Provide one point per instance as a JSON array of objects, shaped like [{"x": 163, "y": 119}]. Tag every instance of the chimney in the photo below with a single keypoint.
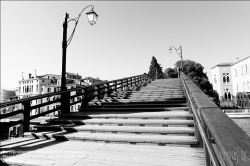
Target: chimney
[{"x": 29, "y": 75}]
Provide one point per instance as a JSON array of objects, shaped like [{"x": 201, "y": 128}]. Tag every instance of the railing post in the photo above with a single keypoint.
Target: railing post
[
  {"x": 142, "y": 79},
  {"x": 25, "y": 117},
  {"x": 120, "y": 87},
  {"x": 65, "y": 103},
  {"x": 84, "y": 98},
  {"x": 115, "y": 85},
  {"x": 96, "y": 93},
  {"x": 126, "y": 87},
  {"x": 106, "y": 91},
  {"x": 131, "y": 84}
]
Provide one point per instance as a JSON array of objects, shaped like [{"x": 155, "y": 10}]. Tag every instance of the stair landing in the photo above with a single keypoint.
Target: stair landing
[{"x": 73, "y": 153}]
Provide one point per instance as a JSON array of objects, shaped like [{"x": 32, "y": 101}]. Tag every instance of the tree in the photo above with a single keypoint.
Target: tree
[
  {"x": 155, "y": 69},
  {"x": 171, "y": 73},
  {"x": 195, "y": 72}
]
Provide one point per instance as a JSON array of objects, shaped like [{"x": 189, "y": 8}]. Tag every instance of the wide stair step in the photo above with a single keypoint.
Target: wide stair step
[{"x": 117, "y": 138}]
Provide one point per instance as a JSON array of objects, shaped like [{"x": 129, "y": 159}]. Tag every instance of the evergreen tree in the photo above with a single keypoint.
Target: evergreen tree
[{"x": 155, "y": 69}]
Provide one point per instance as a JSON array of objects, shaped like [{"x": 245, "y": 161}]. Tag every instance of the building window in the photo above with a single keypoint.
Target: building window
[
  {"x": 41, "y": 89},
  {"x": 36, "y": 88},
  {"x": 246, "y": 68},
  {"x": 48, "y": 89},
  {"x": 215, "y": 81},
  {"x": 227, "y": 93},
  {"x": 226, "y": 79}
]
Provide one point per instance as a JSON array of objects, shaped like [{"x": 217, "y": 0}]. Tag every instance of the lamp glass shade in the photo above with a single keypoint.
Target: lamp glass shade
[
  {"x": 92, "y": 16},
  {"x": 170, "y": 50}
]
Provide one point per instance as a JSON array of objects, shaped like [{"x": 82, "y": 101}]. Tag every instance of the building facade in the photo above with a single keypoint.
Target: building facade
[{"x": 232, "y": 82}]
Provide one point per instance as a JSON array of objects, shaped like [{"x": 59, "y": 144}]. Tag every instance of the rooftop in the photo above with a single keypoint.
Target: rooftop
[{"x": 224, "y": 64}]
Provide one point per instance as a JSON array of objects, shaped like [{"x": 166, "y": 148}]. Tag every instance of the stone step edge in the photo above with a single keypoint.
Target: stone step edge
[
  {"x": 126, "y": 121},
  {"x": 132, "y": 138},
  {"x": 125, "y": 129}
]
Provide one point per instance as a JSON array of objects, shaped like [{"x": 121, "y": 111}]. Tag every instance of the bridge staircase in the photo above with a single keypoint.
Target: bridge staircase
[
  {"x": 132, "y": 121},
  {"x": 154, "y": 113}
]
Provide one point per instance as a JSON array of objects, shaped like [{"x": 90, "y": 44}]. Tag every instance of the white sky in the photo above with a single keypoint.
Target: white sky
[{"x": 125, "y": 38}]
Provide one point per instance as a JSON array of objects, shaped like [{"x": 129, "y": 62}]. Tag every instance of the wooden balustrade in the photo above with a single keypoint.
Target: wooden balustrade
[
  {"x": 230, "y": 144},
  {"x": 97, "y": 91}
]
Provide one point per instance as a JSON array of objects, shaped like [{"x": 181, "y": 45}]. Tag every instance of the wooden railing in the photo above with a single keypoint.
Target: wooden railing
[
  {"x": 224, "y": 142},
  {"x": 88, "y": 93}
]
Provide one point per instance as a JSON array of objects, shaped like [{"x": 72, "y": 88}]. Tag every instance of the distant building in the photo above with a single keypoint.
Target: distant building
[
  {"x": 91, "y": 80},
  {"x": 48, "y": 83},
  {"x": 232, "y": 82}
]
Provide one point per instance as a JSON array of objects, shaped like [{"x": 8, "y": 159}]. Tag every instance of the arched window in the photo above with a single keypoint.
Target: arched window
[
  {"x": 225, "y": 94},
  {"x": 226, "y": 79},
  {"x": 229, "y": 95}
]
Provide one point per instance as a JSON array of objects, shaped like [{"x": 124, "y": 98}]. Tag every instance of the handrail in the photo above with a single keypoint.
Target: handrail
[
  {"x": 88, "y": 92},
  {"x": 202, "y": 132},
  {"x": 230, "y": 145},
  {"x": 39, "y": 97},
  {"x": 149, "y": 76},
  {"x": 60, "y": 92}
]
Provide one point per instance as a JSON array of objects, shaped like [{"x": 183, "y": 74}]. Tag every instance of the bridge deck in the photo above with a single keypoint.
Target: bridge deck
[
  {"x": 150, "y": 126},
  {"x": 74, "y": 153}
]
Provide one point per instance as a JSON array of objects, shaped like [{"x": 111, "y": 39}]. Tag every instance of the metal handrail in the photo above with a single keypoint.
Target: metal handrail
[{"x": 202, "y": 132}]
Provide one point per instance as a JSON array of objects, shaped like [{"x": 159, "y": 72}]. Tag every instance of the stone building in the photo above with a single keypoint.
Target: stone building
[{"x": 232, "y": 82}]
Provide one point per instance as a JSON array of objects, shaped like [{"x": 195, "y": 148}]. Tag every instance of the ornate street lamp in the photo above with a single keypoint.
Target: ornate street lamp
[
  {"x": 92, "y": 16},
  {"x": 179, "y": 53}
]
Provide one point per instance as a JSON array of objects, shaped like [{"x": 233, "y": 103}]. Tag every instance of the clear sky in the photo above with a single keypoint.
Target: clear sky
[{"x": 126, "y": 36}]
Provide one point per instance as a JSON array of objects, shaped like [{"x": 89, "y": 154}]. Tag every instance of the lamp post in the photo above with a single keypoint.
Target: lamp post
[
  {"x": 179, "y": 53},
  {"x": 92, "y": 16}
]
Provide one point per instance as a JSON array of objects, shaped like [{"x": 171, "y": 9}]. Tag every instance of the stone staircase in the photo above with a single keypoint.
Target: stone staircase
[{"x": 153, "y": 113}]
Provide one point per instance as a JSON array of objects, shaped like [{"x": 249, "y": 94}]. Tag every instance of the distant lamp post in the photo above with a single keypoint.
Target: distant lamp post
[
  {"x": 179, "y": 53},
  {"x": 92, "y": 16}
]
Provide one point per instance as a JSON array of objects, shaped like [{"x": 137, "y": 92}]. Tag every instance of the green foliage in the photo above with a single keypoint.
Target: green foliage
[
  {"x": 171, "y": 73},
  {"x": 195, "y": 72},
  {"x": 155, "y": 69}
]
